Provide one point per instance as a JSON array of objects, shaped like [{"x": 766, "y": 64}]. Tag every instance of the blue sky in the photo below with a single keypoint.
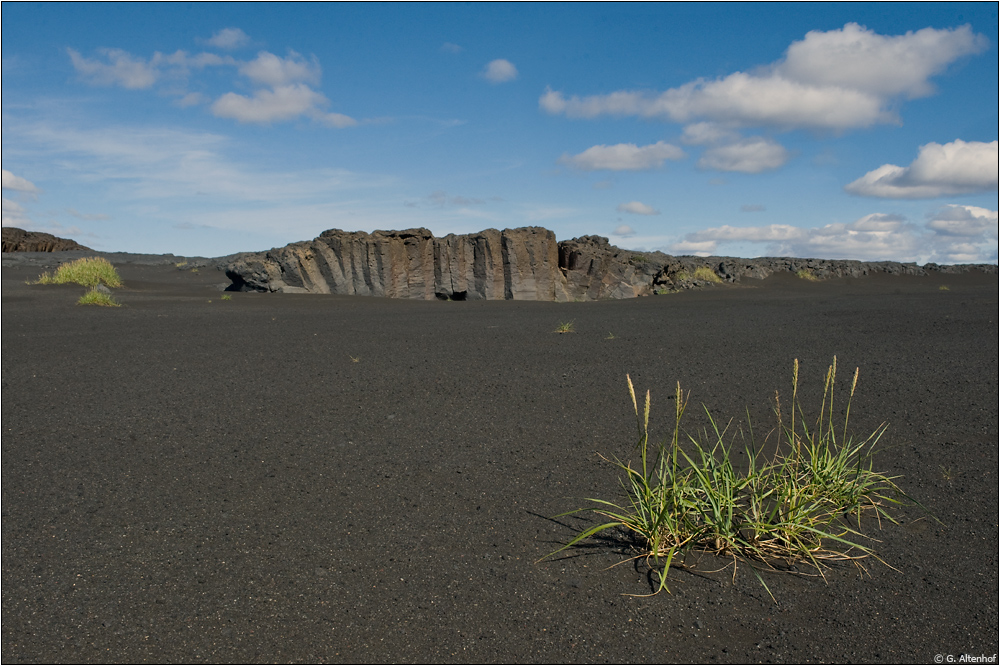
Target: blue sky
[{"x": 865, "y": 131}]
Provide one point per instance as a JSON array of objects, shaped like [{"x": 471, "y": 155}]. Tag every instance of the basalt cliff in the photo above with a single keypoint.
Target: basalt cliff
[
  {"x": 515, "y": 264},
  {"x": 19, "y": 240}
]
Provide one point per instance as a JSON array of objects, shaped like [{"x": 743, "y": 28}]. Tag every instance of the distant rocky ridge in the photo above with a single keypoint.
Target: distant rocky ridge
[
  {"x": 19, "y": 240},
  {"x": 514, "y": 264}
]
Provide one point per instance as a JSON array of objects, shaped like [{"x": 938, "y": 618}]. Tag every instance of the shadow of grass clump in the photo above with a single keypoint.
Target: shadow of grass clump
[{"x": 801, "y": 505}]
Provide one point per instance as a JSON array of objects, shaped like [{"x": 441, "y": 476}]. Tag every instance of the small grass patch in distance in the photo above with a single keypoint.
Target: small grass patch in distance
[
  {"x": 95, "y": 296},
  {"x": 564, "y": 327},
  {"x": 227, "y": 297},
  {"x": 807, "y": 275},
  {"x": 88, "y": 271},
  {"x": 801, "y": 505},
  {"x": 705, "y": 273}
]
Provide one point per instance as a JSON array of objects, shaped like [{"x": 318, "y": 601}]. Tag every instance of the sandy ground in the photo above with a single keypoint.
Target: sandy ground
[{"x": 299, "y": 478}]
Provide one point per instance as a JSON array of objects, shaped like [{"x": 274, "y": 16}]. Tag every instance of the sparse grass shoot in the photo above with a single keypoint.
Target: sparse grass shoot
[
  {"x": 88, "y": 271},
  {"x": 227, "y": 297},
  {"x": 564, "y": 327},
  {"x": 943, "y": 287},
  {"x": 803, "y": 504},
  {"x": 97, "y": 297}
]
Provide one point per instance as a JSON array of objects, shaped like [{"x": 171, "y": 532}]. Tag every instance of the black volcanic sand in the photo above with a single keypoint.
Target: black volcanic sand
[{"x": 297, "y": 478}]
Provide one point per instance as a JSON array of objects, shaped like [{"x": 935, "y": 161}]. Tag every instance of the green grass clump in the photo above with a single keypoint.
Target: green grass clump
[
  {"x": 705, "y": 273},
  {"x": 564, "y": 327},
  {"x": 803, "y": 504},
  {"x": 807, "y": 275},
  {"x": 97, "y": 297},
  {"x": 88, "y": 271}
]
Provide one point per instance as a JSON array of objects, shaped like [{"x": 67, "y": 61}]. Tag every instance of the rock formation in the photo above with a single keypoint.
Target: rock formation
[
  {"x": 19, "y": 240},
  {"x": 520, "y": 264}
]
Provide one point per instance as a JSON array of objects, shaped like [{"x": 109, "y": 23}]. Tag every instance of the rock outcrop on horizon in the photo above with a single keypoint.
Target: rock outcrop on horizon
[
  {"x": 519, "y": 264},
  {"x": 19, "y": 240},
  {"x": 514, "y": 264}
]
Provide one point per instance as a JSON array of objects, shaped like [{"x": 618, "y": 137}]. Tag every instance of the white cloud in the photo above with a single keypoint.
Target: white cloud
[
  {"x": 750, "y": 155},
  {"x": 284, "y": 83},
  {"x": 271, "y": 70},
  {"x": 287, "y": 97},
  {"x": 739, "y": 99},
  {"x": 183, "y": 62},
  {"x": 808, "y": 88},
  {"x": 448, "y": 47},
  {"x": 624, "y": 231},
  {"x": 697, "y": 248},
  {"x": 964, "y": 221},
  {"x": 769, "y": 233},
  {"x": 120, "y": 69},
  {"x": 191, "y": 99},
  {"x": 14, "y": 215},
  {"x": 267, "y": 106},
  {"x": 18, "y": 184},
  {"x": 859, "y": 59},
  {"x": 229, "y": 38},
  {"x": 623, "y": 157},
  {"x": 953, "y": 234},
  {"x": 499, "y": 71},
  {"x": 958, "y": 167},
  {"x": 637, "y": 208},
  {"x": 698, "y": 134},
  {"x": 338, "y": 120},
  {"x": 138, "y": 164}
]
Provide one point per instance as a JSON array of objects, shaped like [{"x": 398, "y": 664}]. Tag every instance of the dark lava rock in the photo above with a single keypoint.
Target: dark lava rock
[
  {"x": 19, "y": 240},
  {"x": 514, "y": 264}
]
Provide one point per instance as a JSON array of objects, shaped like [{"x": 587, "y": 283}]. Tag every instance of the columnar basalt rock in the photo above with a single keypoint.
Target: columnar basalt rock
[
  {"x": 518, "y": 264},
  {"x": 514, "y": 264}
]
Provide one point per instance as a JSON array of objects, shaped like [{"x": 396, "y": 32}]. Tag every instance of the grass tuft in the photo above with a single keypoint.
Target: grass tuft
[
  {"x": 807, "y": 275},
  {"x": 88, "y": 271},
  {"x": 564, "y": 327},
  {"x": 802, "y": 505},
  {"x": 705, "y": 273},
  {"x": 97, "y": 297}
]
